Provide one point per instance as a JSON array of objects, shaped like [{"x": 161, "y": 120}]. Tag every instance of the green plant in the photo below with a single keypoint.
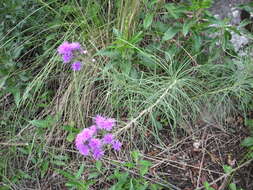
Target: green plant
[
  {"x": 248, "y": 141},
  {"x": 124, "y": 180},
  {"x": 74, "y": 181}
]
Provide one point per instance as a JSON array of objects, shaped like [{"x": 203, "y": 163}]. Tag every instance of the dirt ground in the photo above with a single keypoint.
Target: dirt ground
[{"x": 201, "y": 156}]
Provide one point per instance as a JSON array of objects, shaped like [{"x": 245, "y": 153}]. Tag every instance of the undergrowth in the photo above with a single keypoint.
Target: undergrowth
[{"x": 156, "y": 67}]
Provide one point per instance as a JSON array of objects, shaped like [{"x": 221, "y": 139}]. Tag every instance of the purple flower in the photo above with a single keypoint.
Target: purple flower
[
  {"x": 67, "y": 57},
  {"x": 82, "y": 137},
  {"x": 83, "y": 149},
  {"x": 76, "y": 66},
  {"x": 67, "y": 49},
  {"x": 80, "y": 140},
  {"x": 64, "y": 48},
  {"x": 95, "y": 144},
  {"x": 93, "y": 128},
  {"x": 75, "y": 46},
  {"x": 108, "y": 139},
  {"x": 116, "y": 145},
  {"x": 98, "y": 153},
  {"x": 104, "y": 123}
]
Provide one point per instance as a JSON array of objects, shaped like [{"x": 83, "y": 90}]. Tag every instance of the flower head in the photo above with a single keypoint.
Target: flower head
[
  {"x": 81, "y": 138},
  {"x": 67, "y": 57},
  {"x": 89, "y": 141},
  {"x": 83, "y": 149},
  {"x": 116, "y": 145},
  {"x": 75, "y": 46},
  {"x": 98, "y": 153},
  {"x": 104, "y": 123},
  {"x": 76, "y": 66},
  {"x": 95, "y": 144},
  {"x": 93, "y": 128},
  {"x": 108, "y": 139},
  {"x": 66, "y": 50}
]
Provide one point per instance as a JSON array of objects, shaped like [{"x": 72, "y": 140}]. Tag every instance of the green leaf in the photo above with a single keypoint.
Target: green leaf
[
  {"x": 71, "y": 137},
  {"x": 135, "y": 155},
  {"x": 197, "y": 41},
  {"x": 129, "y": 165},
  {"x": 93, "y": 175},
  {"x": 46, "y": 123},
  {"x": 17, "y": 51},
  {"x": 44, "y": 168},
  {"x": 71, "y": 128},
  {"x": 67, "y": 175},
  {"x": 80, "y": 171},
  {"x": 61, "y": 157},
  {"x": 186, "y": 27},
  {"x": 170, "y": 33},
  {"x": 24, "y": 174},
  {"x": 227, "y": 169},
  {"x": 207, "y": 186},
  {"x": 58, "y": 163},
  {"x": 16, "y": 94},
  {"x": 148, "y": 20},
  {"x": 2, "y": 81},
  {"x": 99, "y": 165},
  {"x": 247, "y": 142},
  {"x": 232, "y": 186},
  {"x": 125, "y": 67},
  {"x": 227, "y": 36},
  {"x": 155, "y": 187},
  {"x": 248, "y": 122},
  {"x": 144, "y": 166}
]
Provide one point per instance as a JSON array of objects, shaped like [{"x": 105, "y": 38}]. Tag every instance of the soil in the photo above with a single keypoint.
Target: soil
[{"x": 201, "y": 156}]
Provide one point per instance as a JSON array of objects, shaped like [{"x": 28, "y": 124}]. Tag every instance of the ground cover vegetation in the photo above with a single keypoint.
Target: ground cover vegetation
[{"x": 123, "y": 94}]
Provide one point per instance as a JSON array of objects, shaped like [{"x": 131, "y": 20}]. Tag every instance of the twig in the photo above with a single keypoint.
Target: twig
[
  {"x": 203, "y": 156},
  {"x": 13, "y": 144}
]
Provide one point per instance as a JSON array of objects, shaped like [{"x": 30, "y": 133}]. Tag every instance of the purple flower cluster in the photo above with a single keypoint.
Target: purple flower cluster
[
  {"x": 67, "y": 51},
  {"x": 88, "y": 143}
]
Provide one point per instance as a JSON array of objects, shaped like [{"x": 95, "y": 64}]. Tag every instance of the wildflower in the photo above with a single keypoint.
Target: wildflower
[
  {"x": 84, "y": 135},
  {"x": 98, "y": 153},
  {"x": 67, "y": 49},
  {"x": 75, "y": 46},
  {"x": 81, "y": 138},
  {"x": 67, "y": 57},
  {"x": 116, "y": 145},
  {"x": 93, "y": 128},
  {"x": 83, "y": 149},
  {"x": 64, "y": 48},
  {"x": 88, "y": 143},
  {"x": 108, "y": 139},
  {"x": 93, "y": 60},
  {"x": 95, "y": 144},
  {"x": 104, "y": 123},
  {"x": 85, "y": 52},
  {"x": 76, "y": 66}
]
